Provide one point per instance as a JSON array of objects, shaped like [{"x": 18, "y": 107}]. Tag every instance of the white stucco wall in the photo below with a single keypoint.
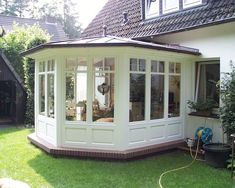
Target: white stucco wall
[{"x": 214, "y": 42}]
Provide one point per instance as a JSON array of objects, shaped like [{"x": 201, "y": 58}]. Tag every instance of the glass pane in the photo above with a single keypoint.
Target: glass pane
[
  {"x": 177, "y": 68},
  {"x": 50, "y": 99},
  {"x": 82, "y": 64},
  {"x": 171, "y": 67},
  {"x": 51, "y": 65},
  {"x": 171, "y": 4},
  {"x": 137, "y": 97},
  {"x": 161, "y": 67},
  {"x": 71, "y": 64},
  {"x": 133, "y": 64},
  {"x": 42, "y": 108},
  {"x": 174, "y": 96},
  {"x": 141, "y": 64},
  {"x": 76, "y": 65},
  {"x": 157, "y": 66},
  {"x": 103, "y": 103},
  {"x": 157, "y": 96},
  {"x": 188, "y": 2},
  {"x": 109, "y": 64},
  {"x": 42, "y": 67},
  {"x": 98, "y": 64},
  {"x": 152, "y": 8},
  {"x": 76, "y": 92},
  {"x": 154, "y": 66},
  {"x": 209, "y": 76}
]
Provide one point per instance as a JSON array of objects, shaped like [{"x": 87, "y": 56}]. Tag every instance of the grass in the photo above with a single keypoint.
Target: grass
[{"x": 21, "y": 160}]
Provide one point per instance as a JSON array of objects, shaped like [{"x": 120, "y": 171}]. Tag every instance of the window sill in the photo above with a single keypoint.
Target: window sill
[{"x": 213, "y": 116}]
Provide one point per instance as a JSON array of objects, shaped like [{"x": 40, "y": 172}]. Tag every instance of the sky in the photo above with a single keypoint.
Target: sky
[{"x": 88, "y": 9}]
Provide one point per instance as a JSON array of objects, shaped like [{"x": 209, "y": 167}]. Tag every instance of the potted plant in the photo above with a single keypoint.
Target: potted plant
[
  {"x": 202, "y": 107},
  {"x": 216, "y": 154}
]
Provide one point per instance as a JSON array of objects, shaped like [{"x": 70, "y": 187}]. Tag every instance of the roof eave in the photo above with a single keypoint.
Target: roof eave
[{"x": 162, "y": 48}]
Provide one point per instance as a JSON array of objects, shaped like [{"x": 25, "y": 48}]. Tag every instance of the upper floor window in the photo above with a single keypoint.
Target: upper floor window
[
  {"x": 190, "y": 3},
  {"x": 170, "y": 6},
  {"x": 154, "y": 8}
]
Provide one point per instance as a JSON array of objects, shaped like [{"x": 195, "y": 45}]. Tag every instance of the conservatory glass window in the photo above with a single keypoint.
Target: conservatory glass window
[
  {"x": 76, "y": 89},
  {"x": 46, "y": 88},
  {"x": 50, "y": 89},
  {"x": 157, "y": 89},
  {"x": 174, "y": 89},
  {"x": 42, "y": 91},
  {"x": 137, "y": 89},
  {"x": 103, "y": 101}
]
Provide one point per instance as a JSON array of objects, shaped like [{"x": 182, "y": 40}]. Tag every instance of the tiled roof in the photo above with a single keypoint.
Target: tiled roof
[
  {"x": 55, "y": 30},
  {"x": 213, "y": 12},
  {"x": 107, "y": 41}
]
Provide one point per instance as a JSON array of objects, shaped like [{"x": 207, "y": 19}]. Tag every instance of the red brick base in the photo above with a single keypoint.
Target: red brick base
[{"x": 103, "y": 154}]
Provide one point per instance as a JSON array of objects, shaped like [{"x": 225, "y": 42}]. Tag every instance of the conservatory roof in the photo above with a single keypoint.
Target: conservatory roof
[{"x": 107, "y": 41}]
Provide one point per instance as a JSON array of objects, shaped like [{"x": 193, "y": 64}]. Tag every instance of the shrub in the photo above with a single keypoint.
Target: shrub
[{"x": 227, "y": 110}]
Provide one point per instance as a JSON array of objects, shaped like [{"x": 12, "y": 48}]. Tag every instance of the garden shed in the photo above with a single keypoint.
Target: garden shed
[
  {"x": 12, "y": 93},
  {"x": 110, "y": 97}
]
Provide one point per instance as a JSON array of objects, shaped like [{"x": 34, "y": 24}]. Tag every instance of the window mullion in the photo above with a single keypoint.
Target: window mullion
[
  {"x": 166, "y": 90},
  {"x": 46, "y": 91},
  {"x": 148, "y": 90}
]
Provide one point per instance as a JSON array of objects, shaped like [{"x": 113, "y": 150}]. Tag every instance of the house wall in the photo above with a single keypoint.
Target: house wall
[
  {"x": 215, "y": 42},
  {"x": 121, "y": 134}
]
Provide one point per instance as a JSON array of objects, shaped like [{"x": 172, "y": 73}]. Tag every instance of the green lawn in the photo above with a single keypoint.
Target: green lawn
[{"x": 21, "y": 160}]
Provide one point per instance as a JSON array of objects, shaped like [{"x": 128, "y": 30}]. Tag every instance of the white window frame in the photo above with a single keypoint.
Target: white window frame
[
  {"x": 75, "y": 72},
  {"x": 143, "y": 72},
  {"x": 199, "y": 74},
  {"x": 45, "y": 73},
  {"x": 166, "y": 10},
  {"x": 191, "y": 4}
]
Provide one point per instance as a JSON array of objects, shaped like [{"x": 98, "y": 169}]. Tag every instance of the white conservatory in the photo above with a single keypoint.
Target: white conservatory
[{"x": 110, "y": 97}]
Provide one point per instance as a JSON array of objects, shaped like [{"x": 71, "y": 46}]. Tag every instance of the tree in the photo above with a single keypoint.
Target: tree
[
  {"x": 63, "y": 12},
  {"x": 6, "y": 8},
  {"x": 18, "y": 7},
  {"x": 71, "y": 27},
  {"x": 14, "y": 7}
]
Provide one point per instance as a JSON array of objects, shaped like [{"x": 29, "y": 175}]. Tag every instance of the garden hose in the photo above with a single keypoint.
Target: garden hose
[{"x": 183, "y": 167}]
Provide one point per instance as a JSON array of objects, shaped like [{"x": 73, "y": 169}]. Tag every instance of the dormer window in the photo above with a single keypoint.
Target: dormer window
[
  {"x": 154, "y": 8},
  {"x": 190, "y": 3},
  {"x": 170, "y": 6}
]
